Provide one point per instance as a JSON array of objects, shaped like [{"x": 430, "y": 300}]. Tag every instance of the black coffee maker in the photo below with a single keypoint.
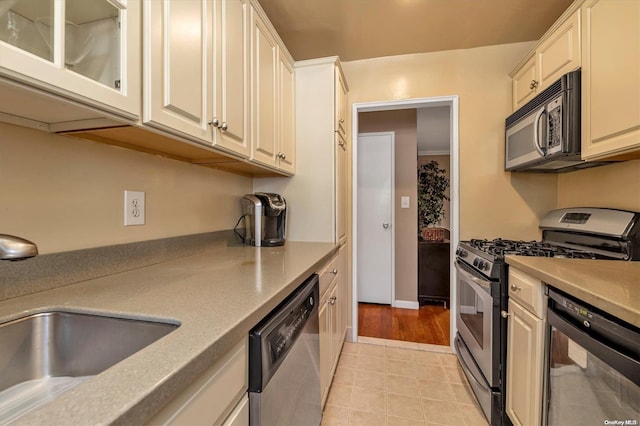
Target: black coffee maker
[{"x": 265, "y": 216}]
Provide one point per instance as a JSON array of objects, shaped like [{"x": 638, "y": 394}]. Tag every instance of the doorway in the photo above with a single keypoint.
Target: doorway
[{"x": 406, "y": 298}]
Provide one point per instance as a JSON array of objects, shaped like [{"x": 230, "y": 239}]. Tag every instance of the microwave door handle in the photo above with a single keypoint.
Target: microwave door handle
[{"x": 537, "y": 132}]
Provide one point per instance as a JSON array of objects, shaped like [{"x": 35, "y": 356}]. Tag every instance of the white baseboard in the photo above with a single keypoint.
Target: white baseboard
[{"x": 405, "y": 304}]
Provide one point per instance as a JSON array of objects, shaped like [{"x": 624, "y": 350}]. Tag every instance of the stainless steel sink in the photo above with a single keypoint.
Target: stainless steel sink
[{"x": 46, "y": 354}]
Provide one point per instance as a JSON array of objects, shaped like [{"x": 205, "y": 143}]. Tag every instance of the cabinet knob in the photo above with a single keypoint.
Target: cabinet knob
[
  {"x": 533, "y": 84},
  {"x": 282, "y": 156},
  {"x": 334, "y": 272},
  {"x": 515, "y": 287},
  {"x": 214, "y": 122},
  {"x": 342, "y": 120},
  {"x": 504, "y": 314},
  {"x": 385, "y": 225},
  {"x": 224, "y": 126},
  {"x": 341, "y": 143},
  {"x": 332, "y": 301}
]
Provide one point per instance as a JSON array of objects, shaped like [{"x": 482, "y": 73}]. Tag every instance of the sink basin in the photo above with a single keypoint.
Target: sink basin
[{"x": 44, "y": 355}]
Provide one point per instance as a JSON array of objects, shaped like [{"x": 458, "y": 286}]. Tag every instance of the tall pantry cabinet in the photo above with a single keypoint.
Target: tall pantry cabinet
[{"x": 318, "y": 195}]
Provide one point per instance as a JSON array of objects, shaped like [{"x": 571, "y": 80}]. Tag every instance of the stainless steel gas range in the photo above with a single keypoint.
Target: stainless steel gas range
[{"x": 482, "y": 287}]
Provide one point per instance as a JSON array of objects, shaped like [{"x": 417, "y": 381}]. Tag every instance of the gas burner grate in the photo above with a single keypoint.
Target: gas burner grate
[{"x": 499, "y": 248}]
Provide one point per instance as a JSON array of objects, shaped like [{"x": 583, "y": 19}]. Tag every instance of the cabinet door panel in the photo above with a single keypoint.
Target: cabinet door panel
[
  {"x": 610, "y": 78},
  {"x": 287, "y": 116},
  {"x": 98, "y": 61},
  {"x": 522, "y": 84},
  {"x": 561, "y": 53},
  {"x": 341, "y": 190},
  {"x": 232, "y": 78},
  {"x": 264, "y": 93},
  {"x": 178, "y": 91},
  {"x": 524, "y": 366},
  {"x": 340, "y": 104},
  {"x": 325, "y": 348}
]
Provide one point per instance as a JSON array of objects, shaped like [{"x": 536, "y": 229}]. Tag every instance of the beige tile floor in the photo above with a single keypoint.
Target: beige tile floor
[{"x": 379, "y": 384}]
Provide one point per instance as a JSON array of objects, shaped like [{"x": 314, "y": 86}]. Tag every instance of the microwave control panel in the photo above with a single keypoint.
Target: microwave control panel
[{"x": 554, "y": 125}]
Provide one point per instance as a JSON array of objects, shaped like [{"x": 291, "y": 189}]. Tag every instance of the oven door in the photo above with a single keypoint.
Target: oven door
[{"x": 478, "y": 311}]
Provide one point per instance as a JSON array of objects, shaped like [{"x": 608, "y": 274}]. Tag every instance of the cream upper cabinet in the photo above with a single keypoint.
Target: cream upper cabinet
[
  {"x": 525, "y": 83},
  {"x": 611, "y": 79},
  {"x": 557, "y": 53},
  {"x": 85, "y": 50},
  {"x": 178, "y": 74},
  {"x": 272, "y": 97},
  {"x": 525, "y": 348},
  {"x": 196, "y": 81},
  {"x": 287, "y": 113},
  {"x": 231, "y": 112}
]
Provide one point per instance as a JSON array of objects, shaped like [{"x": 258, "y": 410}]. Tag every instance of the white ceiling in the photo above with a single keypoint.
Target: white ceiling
[
  {"x": 434, "y": 130},
  {"x": 360, "y": 29}
]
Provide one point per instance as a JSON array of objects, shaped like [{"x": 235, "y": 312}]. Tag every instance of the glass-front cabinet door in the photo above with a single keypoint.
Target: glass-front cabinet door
[{"x": 88, "y": 50}]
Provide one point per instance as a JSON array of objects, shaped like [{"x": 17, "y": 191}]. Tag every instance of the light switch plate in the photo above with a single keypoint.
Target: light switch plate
[
  {"x": 404, "y": 202},
  {"x": 133, "y": 208}
]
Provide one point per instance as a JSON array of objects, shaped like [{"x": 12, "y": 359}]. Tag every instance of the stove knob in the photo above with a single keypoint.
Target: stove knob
[
  {"x": 476, "y": 262},
  {"x": 463, "y": 253},
  {"x": 481, "y": 265}
]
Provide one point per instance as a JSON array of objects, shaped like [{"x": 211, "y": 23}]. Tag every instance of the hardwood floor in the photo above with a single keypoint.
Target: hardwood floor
[{"x": 429, "y": 324}]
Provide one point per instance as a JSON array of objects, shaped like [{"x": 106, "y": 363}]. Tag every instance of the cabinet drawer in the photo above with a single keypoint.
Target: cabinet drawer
[
  {"x": 211, "y": 397},
  {"x": 327, "y": 273},
  {"x": 528, "y": 291}
]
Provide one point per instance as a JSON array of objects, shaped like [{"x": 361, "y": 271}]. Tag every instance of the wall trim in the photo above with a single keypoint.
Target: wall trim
[{"x": 405, "y": 304}]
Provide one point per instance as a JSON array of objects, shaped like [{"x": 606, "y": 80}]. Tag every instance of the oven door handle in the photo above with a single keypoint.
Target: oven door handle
[{"x": 469, "y": 276}]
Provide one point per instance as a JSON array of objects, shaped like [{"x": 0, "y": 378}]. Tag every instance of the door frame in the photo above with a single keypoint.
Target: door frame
[
  {"x": 393, "y": 209},
  {"x": 453, "y": 103}
]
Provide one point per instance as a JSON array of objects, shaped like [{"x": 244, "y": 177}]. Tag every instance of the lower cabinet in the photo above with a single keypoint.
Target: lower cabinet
[
  {"x": 332, "y": 325},
  {"x": 525, "y": 349},
  {"x": 217, "y": 397}
]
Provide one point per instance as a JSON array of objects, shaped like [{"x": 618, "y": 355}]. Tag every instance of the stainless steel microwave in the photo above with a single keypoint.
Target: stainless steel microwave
[{"x": 544, "y": 134}]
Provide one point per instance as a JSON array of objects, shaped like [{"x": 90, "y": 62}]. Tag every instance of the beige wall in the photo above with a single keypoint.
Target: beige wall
[
  {"x": 67, "y": 194},
  {"x": 615, "y": 186},
  {"x": 480, "y": 77},
  {"x": 404, "y": 124},
  {"x": 444, "y": 162}
]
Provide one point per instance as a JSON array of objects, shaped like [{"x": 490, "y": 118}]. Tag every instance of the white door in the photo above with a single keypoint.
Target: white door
[{"x": 375, "y": 217}]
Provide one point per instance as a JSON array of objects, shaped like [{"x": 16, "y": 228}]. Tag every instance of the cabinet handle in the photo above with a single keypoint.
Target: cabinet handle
[
  {"x": 515, "y": 287},
  {"x": 533, "y": 84},
  {"x": 214, "y": 122},
  {"x": 334, "y": 272},
  {"x": 224, "y": 126},
  {"x": 505, "y": 314}
]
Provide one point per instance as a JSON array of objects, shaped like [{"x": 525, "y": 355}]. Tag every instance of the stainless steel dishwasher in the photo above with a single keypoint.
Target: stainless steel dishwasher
[{"x": 284, "y": 362}]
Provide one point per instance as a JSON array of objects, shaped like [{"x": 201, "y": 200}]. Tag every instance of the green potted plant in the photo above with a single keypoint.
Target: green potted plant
[{"x": 432, "y": 185}]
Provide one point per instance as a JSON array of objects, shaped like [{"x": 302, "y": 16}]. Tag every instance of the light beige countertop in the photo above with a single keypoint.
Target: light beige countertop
[
  {"x": 216, "y": 296},
  {"x": 610, "y": 285}
]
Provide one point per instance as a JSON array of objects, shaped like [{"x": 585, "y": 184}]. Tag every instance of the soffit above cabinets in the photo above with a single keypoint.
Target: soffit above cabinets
[{"x": 361, "y": 29}]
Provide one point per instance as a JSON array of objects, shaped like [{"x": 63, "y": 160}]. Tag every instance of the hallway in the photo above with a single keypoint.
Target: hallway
[{"x": 429, "y": 324}]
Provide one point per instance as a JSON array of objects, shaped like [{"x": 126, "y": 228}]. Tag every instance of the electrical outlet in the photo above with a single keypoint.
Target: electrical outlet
[
  {"x": 133, "y": 208},
  {"x": 404, "y": 202}
]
